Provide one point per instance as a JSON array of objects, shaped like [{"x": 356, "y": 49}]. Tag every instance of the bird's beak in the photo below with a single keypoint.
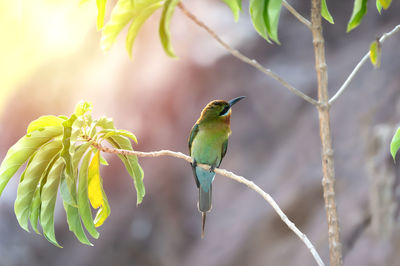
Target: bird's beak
[{"x": 235, "y": 100}]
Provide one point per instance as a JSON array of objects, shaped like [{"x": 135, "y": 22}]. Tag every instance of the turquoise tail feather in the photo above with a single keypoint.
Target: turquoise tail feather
[{"x": 205, "y": 178}]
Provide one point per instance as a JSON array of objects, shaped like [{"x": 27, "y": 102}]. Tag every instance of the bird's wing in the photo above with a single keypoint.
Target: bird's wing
[
  {"x": 223, "y": 150},
  {"x": 193, "y": 133}
]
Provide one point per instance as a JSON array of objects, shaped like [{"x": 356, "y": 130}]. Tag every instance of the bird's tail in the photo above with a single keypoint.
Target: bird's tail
[
  {"x": 205, "y": 199},
  {"x": 203, "y": 223},
  {"x": 204, "y": 205}
]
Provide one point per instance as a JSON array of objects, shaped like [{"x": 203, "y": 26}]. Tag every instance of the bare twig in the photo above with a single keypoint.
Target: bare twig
[
  {"x": 328, "y": 169},
  {"x": 228, "y": 174},
  {"x": 360, "y": 64},
  {"x": 244, "y": 58},
  {"x": 296, "y": 14}
]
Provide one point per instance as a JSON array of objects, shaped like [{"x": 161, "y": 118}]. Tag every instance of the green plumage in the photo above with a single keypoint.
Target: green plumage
[{"x": 208, "y": 143}]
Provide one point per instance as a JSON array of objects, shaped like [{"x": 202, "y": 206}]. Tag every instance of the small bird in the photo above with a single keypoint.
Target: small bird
[{"x": 208, "y": 142}]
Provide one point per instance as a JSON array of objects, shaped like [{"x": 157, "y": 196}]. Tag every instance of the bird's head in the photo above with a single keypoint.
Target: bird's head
[{"x": 218, "y": 110}]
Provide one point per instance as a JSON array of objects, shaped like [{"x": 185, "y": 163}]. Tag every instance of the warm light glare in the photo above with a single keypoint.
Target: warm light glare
[{"x": 34, "y": 32}]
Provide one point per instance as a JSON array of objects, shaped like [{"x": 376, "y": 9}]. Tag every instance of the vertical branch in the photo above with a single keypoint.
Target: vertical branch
[{"x": 328, "y": 180}]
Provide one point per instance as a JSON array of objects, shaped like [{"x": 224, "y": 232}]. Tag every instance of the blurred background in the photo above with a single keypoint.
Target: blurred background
[{"x": 51, "y": 59}]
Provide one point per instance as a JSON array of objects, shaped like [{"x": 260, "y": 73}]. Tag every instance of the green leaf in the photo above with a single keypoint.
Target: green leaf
[
  {"x": 44, "y": 121},
  {"x": 36, "y": 204},
  {"x": 165, "y": 35},
  {"x": 103, "y": 160},
  {"x": 104, "y": 122},
  {"x": 325, "y": 12},
  {"x": 375, "y": 53},
  {"x": 83, "y": 107},
  {"x": 378, "y": 6},
  {"x": 75, "y": 224},
  {"x": 120, "y": 132},
  {"x": 48, "y": 199},
  {"x": 395, "y": 144},
  {"x": 274, "y": 11},
  {"x": 137, "y": 24},
  {"x": 131, "y": 164},
  {"x": 83, "y": 201},
  {"x": 66, "y": 191},
  {"x": 235, "y": 6},
  {"x": 385, "y": 3},
  {"x": 96, "y": 193},
  {"x": 67, "y": 188},
  {"x": 35, "y": 210},
  {"x": 19, "y": 153},
  {"x": 28, "y": 185},
  {"x": 359, "y": 10},
  {"x": 265, "y": 17},
  {"x": 101, "y": 11},
  {"x": 79, "y": 152},
  {"x": 68, "y": 181},
  {"x": 121, "y": 14}
]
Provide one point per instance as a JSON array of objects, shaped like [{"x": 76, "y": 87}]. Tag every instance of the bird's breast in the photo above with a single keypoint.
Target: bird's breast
[{"x": 207, "y": 146}]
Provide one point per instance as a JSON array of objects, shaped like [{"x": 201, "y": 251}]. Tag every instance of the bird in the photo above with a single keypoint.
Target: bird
[{"x": 208, "y": 143}]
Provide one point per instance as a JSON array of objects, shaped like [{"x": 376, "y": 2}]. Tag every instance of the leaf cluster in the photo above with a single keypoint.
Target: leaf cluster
[
  {"x": 58, "y": 157},
  {"x": 265, "y": 15},
  {"x": 360, "y": 9}
]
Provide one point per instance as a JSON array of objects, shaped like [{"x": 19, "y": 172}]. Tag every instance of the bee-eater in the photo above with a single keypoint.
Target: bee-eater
[{"x": 208, "y": 142}]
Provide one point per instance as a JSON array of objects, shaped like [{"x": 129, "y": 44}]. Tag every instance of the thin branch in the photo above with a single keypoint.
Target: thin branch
[
  {"x": 244, "y": 58},
  {"x": 360, "y": 64},
  {"x": 296, "y": 14},
  {"x": 328, "y": 168},
  {"x": 222, "y": 172}
]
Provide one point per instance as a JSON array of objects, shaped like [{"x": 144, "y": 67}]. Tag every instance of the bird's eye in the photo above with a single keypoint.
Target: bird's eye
[{"x": 225, "y": 110}]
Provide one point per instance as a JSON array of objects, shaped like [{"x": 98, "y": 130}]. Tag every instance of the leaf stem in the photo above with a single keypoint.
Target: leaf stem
[
  {"x": 360, "y": 64},
  {"x": 225, "y": 173},
  {"x": 244, "y": 58}
]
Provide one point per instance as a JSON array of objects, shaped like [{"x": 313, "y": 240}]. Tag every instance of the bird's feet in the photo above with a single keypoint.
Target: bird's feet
[
  {"x": 194, "y": 163},
  {"x": 212, "y": 168}
]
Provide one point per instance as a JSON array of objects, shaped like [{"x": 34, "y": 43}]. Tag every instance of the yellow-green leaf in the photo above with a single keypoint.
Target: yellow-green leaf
[
  {"x": 359, "y": 10},
  {"x": 48, "y": 199},
  {"x": 131, "y": 164},
  {"x": 325, "y": 12},
  {"x": 101, "y": 11},
  {"x": 121, "y": 14},
  {"x": 28, "y": 185},
  {"x": 74, "y": 223},
  {"x": 83, "y": 201},
  {"x": 35, "y": 210},
  {"x": 395, "y": 144},
  {"x": 45, "y": 121},
  {"x": 96, "y": 193},
  {"x": 19, "y": 153},
  {"x": 378, "y": 6},
  {"x": 83, "y": 107},
  {"x": 103, "y": 160},
  {"x": 375, "y": 53},
  {"x": 137, "y": 24},
  {"x": 120, "y": 132},
  {"x": 69, "y": 177},
  {"x": 385, "y": 3},
  {"x": 235, "y": 6},
  {"x": 165, "y": 35}
]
